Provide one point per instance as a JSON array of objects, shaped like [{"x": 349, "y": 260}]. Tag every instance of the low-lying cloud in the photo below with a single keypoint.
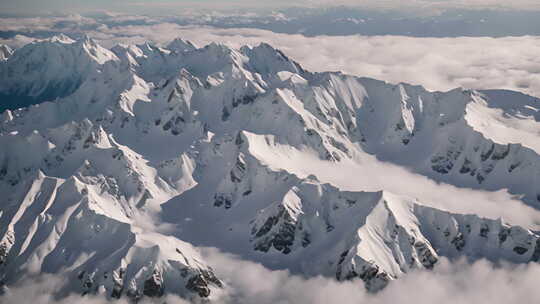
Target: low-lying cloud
[
  {"x": 367, "y": 173},
  {"x": 436, "y": 63},
  {"x": 450, "y": 283},
  {"x": 248, "y": 282}
]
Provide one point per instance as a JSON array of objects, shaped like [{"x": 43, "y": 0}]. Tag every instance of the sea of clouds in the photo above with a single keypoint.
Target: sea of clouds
[
  {"x": 436, "y": 63},
  {"x": 250, "y": 283}
]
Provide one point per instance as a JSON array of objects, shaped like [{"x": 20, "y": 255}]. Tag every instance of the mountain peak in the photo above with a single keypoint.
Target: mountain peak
[
  {"x": 49, "y": 69},
  {"x": 180, "y": 45},
  {"x": 242, "y": 150},
  {"x": 87, "y": 40},
  {"x": 266, "y": 59},
  {"x": 5, "y": 52},
  {"x": 61, "y": 38}
]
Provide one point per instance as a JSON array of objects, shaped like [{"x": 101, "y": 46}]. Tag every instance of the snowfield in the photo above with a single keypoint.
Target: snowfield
[{"x": 116, "y": 165}]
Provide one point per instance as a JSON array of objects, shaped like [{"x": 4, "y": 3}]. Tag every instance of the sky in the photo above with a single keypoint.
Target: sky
[{"x": 29, "y": 7}]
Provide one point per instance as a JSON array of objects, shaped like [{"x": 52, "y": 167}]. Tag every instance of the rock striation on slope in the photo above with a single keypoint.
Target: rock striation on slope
[
  {"x": 5, "y": 52},
  {"x": 112, "y": 145}
]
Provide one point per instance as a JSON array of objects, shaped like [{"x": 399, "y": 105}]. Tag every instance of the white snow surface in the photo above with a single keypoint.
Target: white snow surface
[
  {"x": 5, "y": 52},
  {"x": 139, "y": 154}
]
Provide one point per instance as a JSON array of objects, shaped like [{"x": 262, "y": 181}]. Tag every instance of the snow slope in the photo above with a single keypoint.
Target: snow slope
[
  {"x": 122, "y": 162},
  {"x": 5, "y": 52}
]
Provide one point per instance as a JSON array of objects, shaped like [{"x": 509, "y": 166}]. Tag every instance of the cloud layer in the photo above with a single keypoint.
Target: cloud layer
[
  {"x": 436, "y": 63},
  {"x": 248, "y": 282},
  {"x": 450, "y": 283}
]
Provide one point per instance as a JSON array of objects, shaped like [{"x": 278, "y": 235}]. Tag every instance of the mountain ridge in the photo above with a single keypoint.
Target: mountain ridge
[{"x": 152, "y": 138}]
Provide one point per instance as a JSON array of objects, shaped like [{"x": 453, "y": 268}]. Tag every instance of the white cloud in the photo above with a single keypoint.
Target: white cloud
[
  {"x": 450, "y": 283},
  {"x": 17, "y": 41},
  {"x": 425, "y": 4},
  {"x": 436, "y": 63},
  {"x": 248, "y": 282},
  {"x": 367, "y": 173},
  {"x": 44, "y": 23}
]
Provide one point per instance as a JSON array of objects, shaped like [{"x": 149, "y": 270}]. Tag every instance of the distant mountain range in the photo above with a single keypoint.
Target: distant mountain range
[{"x": 334, "y": 21}]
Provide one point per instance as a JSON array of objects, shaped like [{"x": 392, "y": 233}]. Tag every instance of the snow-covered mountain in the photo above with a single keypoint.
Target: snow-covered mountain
[
  {"x": 5, "y": 52},
  {"x": 124, "y": 161}
]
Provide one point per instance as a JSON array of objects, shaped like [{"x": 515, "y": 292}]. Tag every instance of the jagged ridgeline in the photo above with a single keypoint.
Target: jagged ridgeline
[{"x": 110, "y": 146}]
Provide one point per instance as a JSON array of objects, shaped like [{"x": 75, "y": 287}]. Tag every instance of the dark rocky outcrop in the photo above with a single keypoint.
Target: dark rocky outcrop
[{"x": 153, "y": 286}]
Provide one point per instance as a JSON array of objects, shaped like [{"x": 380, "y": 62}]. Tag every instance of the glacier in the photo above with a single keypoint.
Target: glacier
[{"x": 117, "y": 164}]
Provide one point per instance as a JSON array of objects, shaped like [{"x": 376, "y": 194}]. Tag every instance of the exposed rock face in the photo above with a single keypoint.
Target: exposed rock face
[
  {"x": 278, "y": 231},
  {"x": 369, "y": 272},
  {"x": 218, "y": 146},
  {"x": 153, "y": 286},
  {"x": 536, "y": 254},
  {"x": 5, "y": 247},
  {"x": 201, "y": 283},
  {"x": 305, "y": 215}
]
